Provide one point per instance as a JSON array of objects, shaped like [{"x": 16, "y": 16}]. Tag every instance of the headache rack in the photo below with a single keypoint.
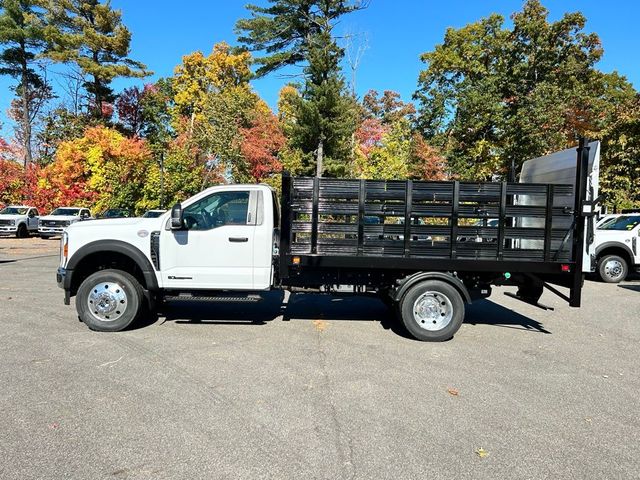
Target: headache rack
[{"x": 434, "y": 225}]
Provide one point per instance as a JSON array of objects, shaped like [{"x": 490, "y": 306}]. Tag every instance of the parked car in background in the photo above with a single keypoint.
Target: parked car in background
[
  {"x": 617, "y": 241},
  {"x": 114, "y": 213},
  {"x": 18, "y": 220},
  {"x": 153, "y": 213},
  {"x": 56, "y": 222}
]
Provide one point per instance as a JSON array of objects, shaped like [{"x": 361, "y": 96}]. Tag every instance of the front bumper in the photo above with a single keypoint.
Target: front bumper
[
  {"x": 8, "y": 230},
  {"x": 51, "y": 230},
  {"x": 63, "y": 279}
]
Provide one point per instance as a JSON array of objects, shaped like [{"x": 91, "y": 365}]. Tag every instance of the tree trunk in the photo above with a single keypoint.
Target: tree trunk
[
  {"x": 320, "y": 157},
  {"x": 26, "y": 114},
  {"x": 98, "y": 97}
]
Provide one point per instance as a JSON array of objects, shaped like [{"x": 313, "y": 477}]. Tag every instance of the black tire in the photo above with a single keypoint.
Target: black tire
[
  {"x": 22, "y": 232},
  {"x": 440, "y": 297},
  {"x": 612, "y": 269},
  {"x": 106, "y": 290}
]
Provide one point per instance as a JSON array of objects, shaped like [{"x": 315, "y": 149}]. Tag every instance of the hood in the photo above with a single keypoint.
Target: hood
[
  {"x": 5, "y": 216},
  {"x": 59, "y": 217},
  {"x": 117, "y": 223}
]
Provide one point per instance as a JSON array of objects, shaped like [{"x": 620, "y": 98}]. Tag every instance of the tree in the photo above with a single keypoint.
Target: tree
[
  {"x": 388, "y": 108},
  {"x": 22, "y": 35},
  {"x": 11, "y": 180},
  {"x": 620, "y": 175},
  {"x": 91, "y": 35},
  {"x": 129, "y": 108},
  {"x": 103, "y": 168},
  {"x": 261, "y": 144},
  {"x": 300, "y": 32},
  {"x": 490, "y": 94},
  {"x": 212, "y": 102}
]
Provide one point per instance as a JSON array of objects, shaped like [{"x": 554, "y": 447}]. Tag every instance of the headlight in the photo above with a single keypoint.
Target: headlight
[
  {"x": 66, "y": 223},
  {"x": 12, "y": 222},
  {"x": 40, "y": 223},
  {"x": 64, "y": 249}
]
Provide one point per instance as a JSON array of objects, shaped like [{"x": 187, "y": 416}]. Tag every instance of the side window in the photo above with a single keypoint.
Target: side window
[
  {"x": 218, "y": 210},
  {"x": 32, "y": 213}
]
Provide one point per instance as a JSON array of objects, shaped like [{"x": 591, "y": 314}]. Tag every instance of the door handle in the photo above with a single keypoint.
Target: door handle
[{"x": 238, "y": 239}]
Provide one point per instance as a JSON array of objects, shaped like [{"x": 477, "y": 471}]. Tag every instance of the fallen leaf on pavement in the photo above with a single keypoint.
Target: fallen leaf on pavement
[
  {"x": 453, "y": 391},
  {"x": 320, "y": 325},
  {"x": 481, "y": 452}
]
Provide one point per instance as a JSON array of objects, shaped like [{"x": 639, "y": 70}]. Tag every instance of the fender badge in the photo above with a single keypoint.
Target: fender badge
[{"x": 142, "y": 233}]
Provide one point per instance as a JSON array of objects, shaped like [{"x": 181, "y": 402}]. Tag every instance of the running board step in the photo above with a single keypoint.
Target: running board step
[{"x": 187, "y": 297}]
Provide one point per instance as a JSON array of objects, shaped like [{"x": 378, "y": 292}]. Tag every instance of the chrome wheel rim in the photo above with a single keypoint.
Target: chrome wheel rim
[
  {"x": 613, "y": 269},
  {"x": 107, "y": 301},
  {"x": 432, "y": 311}
]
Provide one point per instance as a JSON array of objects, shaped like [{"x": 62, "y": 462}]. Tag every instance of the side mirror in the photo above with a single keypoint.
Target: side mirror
[{"x": 176, "y": 217}]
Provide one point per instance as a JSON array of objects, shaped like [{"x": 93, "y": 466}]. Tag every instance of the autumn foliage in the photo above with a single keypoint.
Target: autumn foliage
[{"x": 261, "y": 143}]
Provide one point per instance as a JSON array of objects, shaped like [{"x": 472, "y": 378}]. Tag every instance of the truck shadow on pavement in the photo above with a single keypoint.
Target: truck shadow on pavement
[
  {"x": 633, "y": 288},
  {"x": 313, "y": 307}
]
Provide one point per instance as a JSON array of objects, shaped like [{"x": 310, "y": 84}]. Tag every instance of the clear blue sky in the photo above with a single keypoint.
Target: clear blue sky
[{"x": 398, "y": 31}]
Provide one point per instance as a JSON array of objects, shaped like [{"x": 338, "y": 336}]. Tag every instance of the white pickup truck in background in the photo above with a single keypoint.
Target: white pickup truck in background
[
  {"x": 58, "y": 220},
  {"x": 18, "y": 220},
  {"x": 617, "y": 242}
]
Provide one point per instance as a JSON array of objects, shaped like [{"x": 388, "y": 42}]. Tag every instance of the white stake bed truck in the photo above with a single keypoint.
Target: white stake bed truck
[{"x": 230, "y": 243}]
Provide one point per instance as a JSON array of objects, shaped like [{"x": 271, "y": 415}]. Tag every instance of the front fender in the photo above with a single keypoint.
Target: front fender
[{"x": 118, "y": 246}]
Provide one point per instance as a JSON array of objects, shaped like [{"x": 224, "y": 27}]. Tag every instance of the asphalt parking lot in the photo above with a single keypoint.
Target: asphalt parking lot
[{"x": 336, "y": 391}]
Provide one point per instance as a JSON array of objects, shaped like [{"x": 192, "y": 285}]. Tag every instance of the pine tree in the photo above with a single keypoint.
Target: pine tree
[
  {"x": 22, "y": 35},
  {"x": 300, "y": 32},
  {"x": 91, "y": 35}
]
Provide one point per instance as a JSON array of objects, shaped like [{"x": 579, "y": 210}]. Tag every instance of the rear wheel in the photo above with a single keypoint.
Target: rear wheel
[
  {"x": 109, "y": 300},
  {"x": 22, "y": 231},
  {"x": 613, "y": 268},
  {"x": 432, "y": 311}
]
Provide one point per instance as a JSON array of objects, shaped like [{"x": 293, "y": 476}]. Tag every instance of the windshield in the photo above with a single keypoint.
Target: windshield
[
  {"x": 620, "y": 223},
  {"x": 115, "y": 213},
  {"x": 153, "y": 213},
  {"x": 13, "y": 211},
  {"x": 66, "y": 211}
]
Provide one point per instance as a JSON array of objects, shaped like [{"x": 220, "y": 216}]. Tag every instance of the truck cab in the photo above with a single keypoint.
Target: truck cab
[
  {"x": 221, "y": 239},
  {"x": 59, "y": 219},
  {"x": 18, "y": 220},
  {"x": 617, "y": 243}
]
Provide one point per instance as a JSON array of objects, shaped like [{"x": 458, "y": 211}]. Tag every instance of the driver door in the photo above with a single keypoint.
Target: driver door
[
  {"x": 32, "y": 220},
  {"x": 214, "y": 250}
]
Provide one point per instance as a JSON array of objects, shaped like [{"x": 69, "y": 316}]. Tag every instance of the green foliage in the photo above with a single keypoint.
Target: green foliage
[
  {"x": 490, "y": 94},
  {"x": 620, "y": 177},
  {"x": 22, "y": 36},
  {"x": 293, "y": 32},
  {"x": 212, "y": 102},
  {"x": 390, "y": 158},
  {"x": 288, "y": 29},
  {"x": 91, "y": 35},
  {"x": 181, "y": 177},
  {"x": 59, "y": 125}
]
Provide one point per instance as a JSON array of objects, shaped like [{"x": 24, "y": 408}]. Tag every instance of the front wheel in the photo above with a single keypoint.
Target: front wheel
[
  {"x": 109, "y": 300},
  {"x": 432, "y": 311},
  {"x": 22, "y": 232},
  {"x": 612, "y": 268}
]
